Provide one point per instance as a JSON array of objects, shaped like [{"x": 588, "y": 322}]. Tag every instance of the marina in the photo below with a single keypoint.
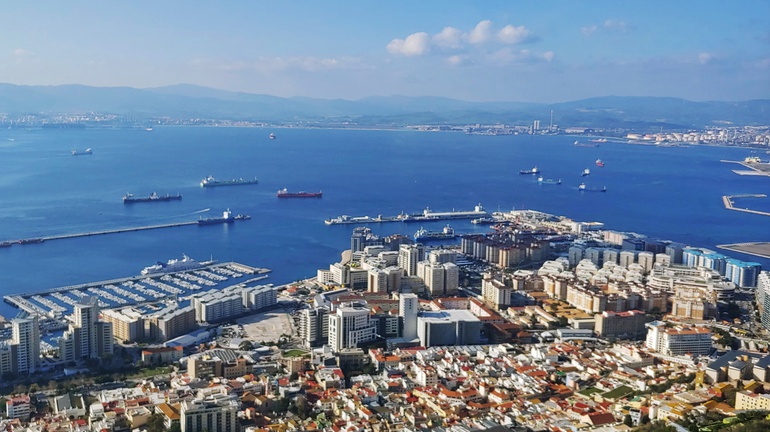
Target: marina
[{"x": 132, "y": 290}]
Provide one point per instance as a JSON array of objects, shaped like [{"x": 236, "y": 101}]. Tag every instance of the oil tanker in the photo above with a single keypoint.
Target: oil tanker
[
  {"x": 284, "y": 193},
  {"x": 129, "y": 198}
]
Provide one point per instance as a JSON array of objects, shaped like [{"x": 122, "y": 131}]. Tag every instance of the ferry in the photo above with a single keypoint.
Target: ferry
[
  {"x": 599, "y": 163},
  {"x": 446, "y": 233},
  {"x": 173, "y": 265},
  {"x": 533, "y": 171}
]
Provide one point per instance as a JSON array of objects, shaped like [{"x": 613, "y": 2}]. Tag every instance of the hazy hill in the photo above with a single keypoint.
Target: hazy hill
[{"x": 191, "y": 101}]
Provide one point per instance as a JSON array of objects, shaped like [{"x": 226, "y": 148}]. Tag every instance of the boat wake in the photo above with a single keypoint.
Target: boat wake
[{"x": 201, "y": 211}]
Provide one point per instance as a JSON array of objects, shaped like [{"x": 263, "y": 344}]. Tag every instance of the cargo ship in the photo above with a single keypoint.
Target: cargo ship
[
  {"x": 173, "y": 265},
  {"x": 599, "y": 163},
  {"x": 210, "y": 181},
  {"x": 227, "y": 217},
  {"x": 446, "y": 233},
  {"x": 580, "y": 144},
  {"x": 583, "y": 187},
  {"x": 129, "y": 198},
  {"x": 541, "y": 180},
  {"x": 284, "y": 193},
  {"x": 533, "y": 171},
  {"x": 87, "y": 151}
]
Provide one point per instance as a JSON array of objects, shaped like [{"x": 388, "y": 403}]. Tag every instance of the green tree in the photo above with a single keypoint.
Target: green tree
[{"x": 155, "y": 423}]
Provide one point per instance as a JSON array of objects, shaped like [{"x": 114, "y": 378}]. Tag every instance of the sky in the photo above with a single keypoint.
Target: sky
[{"x": 528, "y": 51}]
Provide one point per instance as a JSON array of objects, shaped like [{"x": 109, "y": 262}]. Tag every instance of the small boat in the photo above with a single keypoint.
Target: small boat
[
  {"x": 271, "y": 136},
  {"x": 599, "y": 163},
  {"x": 87, "y": 151},
  {"x": 149, "y": 129},
  {"x": 586, "y": 172},
  {"x": 532, "y": 171},
  {"x": 582, "y": 187}
]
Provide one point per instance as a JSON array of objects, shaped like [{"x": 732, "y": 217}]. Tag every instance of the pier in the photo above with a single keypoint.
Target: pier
[
  {"x": 727, "y": 200},
  {"x": 42, "y": 239}
]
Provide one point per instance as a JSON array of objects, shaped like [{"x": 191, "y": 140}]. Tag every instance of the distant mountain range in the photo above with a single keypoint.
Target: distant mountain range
[{"x": 190, "y": 101}]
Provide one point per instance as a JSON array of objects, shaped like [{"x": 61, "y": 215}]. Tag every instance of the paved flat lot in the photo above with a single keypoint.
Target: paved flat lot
[
  {"x": 760, "y": 249},
  {"x": 267, "y": 326}
]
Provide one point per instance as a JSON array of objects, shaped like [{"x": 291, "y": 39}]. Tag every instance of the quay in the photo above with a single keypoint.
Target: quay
[
  {"x": 754, "y": 169},
  {"x": 727, "y": 200},
  {"x": 760, "y": 249},
  {"x": 426, "y": 216},
  {"x": 42, "y": 239},
  {"x": 22, "y": 301}
]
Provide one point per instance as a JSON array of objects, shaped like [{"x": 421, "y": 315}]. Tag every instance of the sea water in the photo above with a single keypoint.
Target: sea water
[{"x": 669, "y": 193}]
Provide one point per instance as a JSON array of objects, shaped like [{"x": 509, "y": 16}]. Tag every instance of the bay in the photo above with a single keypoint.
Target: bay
[{"x": 668, "y": 193}]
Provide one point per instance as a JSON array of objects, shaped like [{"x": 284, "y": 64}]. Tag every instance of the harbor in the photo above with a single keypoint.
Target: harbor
[
  {"x": 727, "y": 200},
  {"x": 147, "y": 287}
]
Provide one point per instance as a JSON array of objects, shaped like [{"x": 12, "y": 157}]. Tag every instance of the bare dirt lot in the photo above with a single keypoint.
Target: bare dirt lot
[{"x": 267, "y": 326}]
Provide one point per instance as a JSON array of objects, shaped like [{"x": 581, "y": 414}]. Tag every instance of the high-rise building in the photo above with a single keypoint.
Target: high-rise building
[
  {"x": 408, "y": 257},
  {"x": 677, "y": 341},
  {"x": 314, "y": 326},
  {"x": 210, "y": 414},
  {"x": 495, "y": 292},
  {"x": 351, "y": 325},
  {"x": 87, "y": 337},
  {"x": 742, "y": 274},
  {"x": 26, "y": 337},
  {"x": 408, "y": 308},
  {"x": 763, "y": 298},
  {"x": 448, "y": 327}
]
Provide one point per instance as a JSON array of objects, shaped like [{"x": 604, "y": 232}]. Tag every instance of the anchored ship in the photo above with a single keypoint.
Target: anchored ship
[
  {"x": 210, "y": 181},
  {"x": 534, "y": 170},
  {"x": 599, "y": 163},
  {"x": 227, "y": 217},
  {"x": 129, "y": 198},
  {"x": 541, "y": 180},
  {"x": 87, "y": 151},
  {"x": 446, "y": 233},
  {"x": 583, "y": 187},
  {"x": 284, "y": 193}
]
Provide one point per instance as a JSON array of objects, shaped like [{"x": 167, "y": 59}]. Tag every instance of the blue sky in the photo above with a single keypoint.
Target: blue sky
[{"x": 544, "y": 51}]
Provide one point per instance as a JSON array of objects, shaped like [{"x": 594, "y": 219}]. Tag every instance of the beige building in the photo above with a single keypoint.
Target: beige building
[{"x": 748, "y": 401}]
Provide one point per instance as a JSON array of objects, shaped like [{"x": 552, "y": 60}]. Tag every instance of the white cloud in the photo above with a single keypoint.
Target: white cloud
[
  {"x": 589, "y": 30},
  {"x": 457, "y": 60},
  {"x": 705, "y": 57},
  {"x": 20, "y": 52},
  {"x": 617, "y": 25},
  {"x": 480, "y": 33},
  {"x": 416, "y": 44},
  {"x": 448, "y": 38},
  {"x": 548, "y": 56},
  {"x": 513, "y": 35},
  {"x": 508, "y": 55}
]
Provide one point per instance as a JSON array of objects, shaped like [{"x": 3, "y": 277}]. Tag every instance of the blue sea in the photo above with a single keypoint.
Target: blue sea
[{"x": 668, "y": 193}]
